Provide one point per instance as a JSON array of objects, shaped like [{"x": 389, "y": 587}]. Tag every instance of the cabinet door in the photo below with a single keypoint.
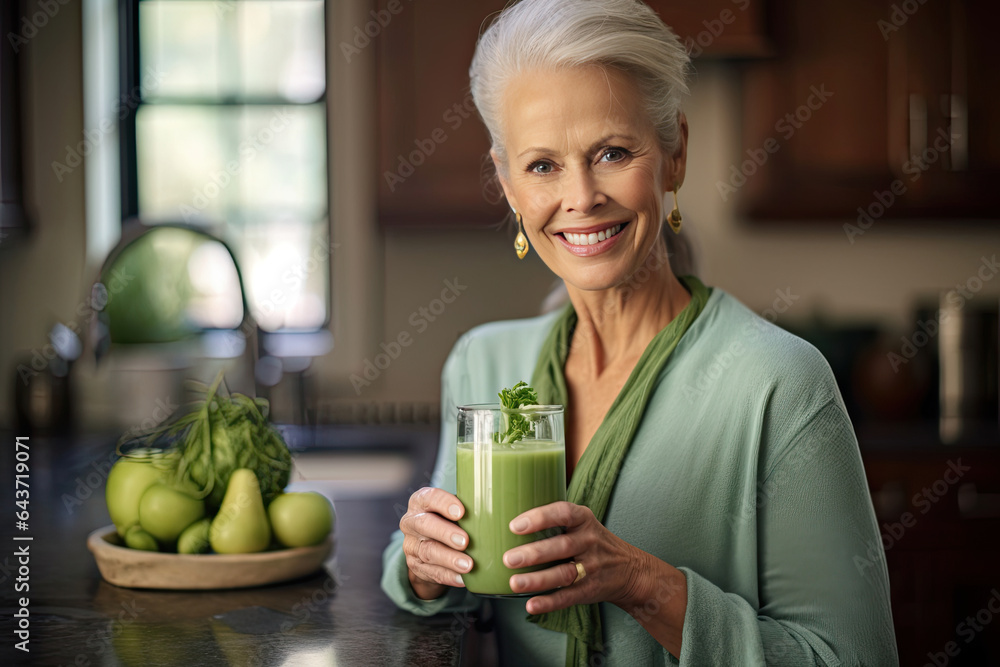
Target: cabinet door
[
  {"x": 434, "y": 166},
  {"x": 433, "y": 148},
  {"x": 12, "y": 219},
  {"x": 903, "y": 128},
  {"x": 718, "y": 28}
]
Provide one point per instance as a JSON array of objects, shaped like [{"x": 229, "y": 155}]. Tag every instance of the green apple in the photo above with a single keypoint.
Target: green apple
[
  {"x": 300, "y": 519},
  {"x": 164, "y": 512}
]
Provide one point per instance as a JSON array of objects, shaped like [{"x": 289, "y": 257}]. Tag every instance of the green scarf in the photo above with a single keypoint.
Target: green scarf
[{"x": 597, "y": 471}]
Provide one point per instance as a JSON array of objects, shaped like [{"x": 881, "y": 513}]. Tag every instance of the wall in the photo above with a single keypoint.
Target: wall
[
  {"x": 878, "y": 277},
  {"x": 42, "y": 277}
]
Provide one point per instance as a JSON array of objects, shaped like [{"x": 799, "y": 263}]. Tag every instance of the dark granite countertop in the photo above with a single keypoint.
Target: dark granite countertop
[{"x": 337, "y": 617}]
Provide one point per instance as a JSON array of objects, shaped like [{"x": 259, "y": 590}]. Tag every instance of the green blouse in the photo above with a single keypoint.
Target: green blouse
[{"x": 744, "y": 474}]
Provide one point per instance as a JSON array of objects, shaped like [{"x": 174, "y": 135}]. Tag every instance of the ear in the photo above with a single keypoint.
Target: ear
[
  {"x": 504, "y": 183},
  {"x": 675, "y": 166}
]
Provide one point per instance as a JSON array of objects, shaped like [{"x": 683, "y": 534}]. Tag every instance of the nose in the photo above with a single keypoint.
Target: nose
[{"x": 582, "y": 193}]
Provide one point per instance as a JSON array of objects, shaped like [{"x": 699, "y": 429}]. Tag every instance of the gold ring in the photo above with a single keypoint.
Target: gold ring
[{"x": 580, "y": 571}]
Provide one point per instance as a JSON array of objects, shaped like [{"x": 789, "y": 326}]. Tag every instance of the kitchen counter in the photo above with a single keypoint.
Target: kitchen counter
[{"x": 339, "y": 616}]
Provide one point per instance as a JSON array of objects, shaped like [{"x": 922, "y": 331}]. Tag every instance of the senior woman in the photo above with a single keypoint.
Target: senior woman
[{"x": 718, "y": 512}]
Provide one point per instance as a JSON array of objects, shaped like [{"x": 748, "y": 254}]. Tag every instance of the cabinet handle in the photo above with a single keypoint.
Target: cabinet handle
[
  {"x": 918, "y": 125},
  {"x": 957, "y": 112}
]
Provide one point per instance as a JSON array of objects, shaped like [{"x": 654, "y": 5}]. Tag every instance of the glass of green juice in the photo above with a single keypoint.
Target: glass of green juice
[{"x": 499, "y": 480}]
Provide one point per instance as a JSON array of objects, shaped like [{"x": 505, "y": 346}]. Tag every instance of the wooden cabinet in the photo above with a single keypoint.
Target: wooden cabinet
[
  {"x": 13, "y": 222},
  {"x": 938, "y": 510},
  {"x": 434, "y": 167},
  {"x": 906, "y": 127}
]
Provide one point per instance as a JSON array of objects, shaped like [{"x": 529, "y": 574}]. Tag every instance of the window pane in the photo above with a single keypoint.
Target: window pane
[
  {"x": 228, "y": 50},
  {"x": 284, "y": 153},
  {"x": 207, "y": 163},
  {"x": 285, "y": 267},
  {"x": 282, "y": 49},
  {"x": 182, "y": 42},
  {"x": 177, "y": 151}
]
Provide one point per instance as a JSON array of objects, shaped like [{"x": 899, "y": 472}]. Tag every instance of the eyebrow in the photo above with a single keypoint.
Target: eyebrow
[{"x": 603, "y": 141}]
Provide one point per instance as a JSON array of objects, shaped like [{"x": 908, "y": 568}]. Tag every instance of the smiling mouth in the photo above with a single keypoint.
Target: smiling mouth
[{"x": 593, "y": 239}]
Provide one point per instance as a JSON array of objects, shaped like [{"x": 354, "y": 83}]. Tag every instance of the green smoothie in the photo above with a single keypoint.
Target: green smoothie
[{"x": 495, "y": 487}]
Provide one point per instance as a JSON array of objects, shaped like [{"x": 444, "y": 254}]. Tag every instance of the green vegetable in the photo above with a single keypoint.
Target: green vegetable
[
  {"x": 241, "y": 526},
  {"x": 217, "y": 434},
  {"x": 129, "y": 478},
  {"x": 194, "y": 539},
  {"x": 137, "y": 538},
  {"x": 164, "y": 512},
  {"x": 516, "y": 425},
  {"x": 300, "y": 519}
]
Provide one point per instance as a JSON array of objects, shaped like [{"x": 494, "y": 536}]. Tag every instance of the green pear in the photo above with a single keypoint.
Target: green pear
[{"x": 241, "y": 526}]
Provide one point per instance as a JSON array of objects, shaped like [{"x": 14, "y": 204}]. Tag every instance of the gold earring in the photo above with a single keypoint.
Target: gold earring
[
  {"x": 674, "y": 219},
  {"x": 521, "y": 242}
]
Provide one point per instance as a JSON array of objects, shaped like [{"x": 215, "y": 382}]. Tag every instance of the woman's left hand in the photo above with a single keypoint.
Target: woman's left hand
[{"x": 614, "y": 569}]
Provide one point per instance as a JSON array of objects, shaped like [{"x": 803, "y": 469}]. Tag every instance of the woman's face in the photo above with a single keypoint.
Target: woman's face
[{"x": 586, "y": 172}]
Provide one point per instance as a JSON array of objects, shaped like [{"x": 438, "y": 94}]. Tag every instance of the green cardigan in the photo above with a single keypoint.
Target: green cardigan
[{"x": 744, "y": 474}]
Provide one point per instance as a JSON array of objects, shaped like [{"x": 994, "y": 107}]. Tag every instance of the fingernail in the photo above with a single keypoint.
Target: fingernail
[
  {"x": 515, "y": 582},
  {"x": 513, "y": 560},
  {"x": 458, "y": 540},
  {"x": 458, "y": 580},
  {"x": 455, "y": 511},
  {"x": 464, "y": 563},
  {"x": 518, "y": 525}
]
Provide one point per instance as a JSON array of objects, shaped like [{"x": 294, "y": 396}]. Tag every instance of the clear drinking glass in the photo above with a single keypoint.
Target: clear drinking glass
[{"x": 499, "y": 480}]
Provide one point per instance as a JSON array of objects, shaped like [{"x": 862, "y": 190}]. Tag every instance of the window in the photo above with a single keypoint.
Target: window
[{"x": 227, "y": 132}]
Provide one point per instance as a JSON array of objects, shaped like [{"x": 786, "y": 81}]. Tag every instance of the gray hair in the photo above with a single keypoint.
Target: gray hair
[{"x": 626, "y": 35}]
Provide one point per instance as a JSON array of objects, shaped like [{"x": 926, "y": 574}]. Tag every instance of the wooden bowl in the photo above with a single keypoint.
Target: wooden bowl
[{"x": 133, "y": 568}]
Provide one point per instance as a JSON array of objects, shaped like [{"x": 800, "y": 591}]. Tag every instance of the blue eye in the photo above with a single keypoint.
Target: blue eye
[
  {"x": 540, "y": 167},
  {"x": 614, "y": 154}
]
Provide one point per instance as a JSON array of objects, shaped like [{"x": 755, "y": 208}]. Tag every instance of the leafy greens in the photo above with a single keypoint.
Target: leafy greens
[{"x": 517, "y": 425}]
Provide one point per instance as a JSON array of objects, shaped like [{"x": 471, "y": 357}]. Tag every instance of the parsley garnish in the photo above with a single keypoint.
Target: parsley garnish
[{"x": 511, "y": 399}]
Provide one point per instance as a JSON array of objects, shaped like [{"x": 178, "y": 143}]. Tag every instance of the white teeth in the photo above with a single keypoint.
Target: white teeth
[{"x": 591, "y": 239}]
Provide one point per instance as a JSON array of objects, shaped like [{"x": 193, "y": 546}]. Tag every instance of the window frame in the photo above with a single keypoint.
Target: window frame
[{"x": 131, "y": 99}]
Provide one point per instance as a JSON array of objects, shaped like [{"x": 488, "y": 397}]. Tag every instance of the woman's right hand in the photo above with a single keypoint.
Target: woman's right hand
[{"x": 433, "y": 543}]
